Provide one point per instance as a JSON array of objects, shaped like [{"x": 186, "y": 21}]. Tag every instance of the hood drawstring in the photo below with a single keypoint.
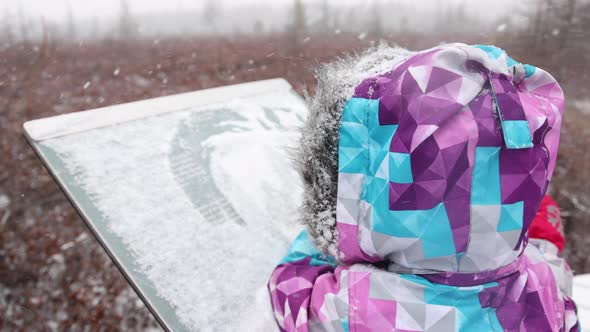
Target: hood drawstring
[{"x": 515, "y": 127}]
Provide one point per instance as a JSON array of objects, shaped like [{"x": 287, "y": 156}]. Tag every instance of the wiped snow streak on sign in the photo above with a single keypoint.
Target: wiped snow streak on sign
[{"x": 196, "y": 206}]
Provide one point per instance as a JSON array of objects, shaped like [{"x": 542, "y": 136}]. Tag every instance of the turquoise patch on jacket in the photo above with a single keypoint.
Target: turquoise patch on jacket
[
  {"x": 431, "y": 227},
  {"x": 352, "y": 160},
  {"x": 364, "y": 149},
  {"x": 364, "y": 144},
  {"x": 400, "y": 168},
  {"x": 353, "y": 152},
  {"x": 344, "y": 323},
  {"x": 529, "y": 70},
  {"x": 302, "y": 248},
  {"x": 495, "y": 52},
  {"x": 485, "y": 188},
  {"x": 511, "y": 216},
  {"x": 351, "y": 132},
  {"x": 355, "y": 110},
  {"x": 469, "y": 314},
  {"x": 517, "y": 134}
]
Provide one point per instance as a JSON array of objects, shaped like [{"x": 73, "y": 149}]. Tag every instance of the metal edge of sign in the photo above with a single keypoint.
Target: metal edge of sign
[
  {"x": 161, "y": 321},
  {"x": 71, "y": 123}
]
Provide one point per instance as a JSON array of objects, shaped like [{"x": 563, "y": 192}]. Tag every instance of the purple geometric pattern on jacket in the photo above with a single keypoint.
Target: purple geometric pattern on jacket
[
  {"x": 291, "y": 286},
  {"x": 523, "y": 301},
  {"x": 521, "y": 297},
  {"x": 478, "y": 146},
  {"x": 448, "y": 103}
]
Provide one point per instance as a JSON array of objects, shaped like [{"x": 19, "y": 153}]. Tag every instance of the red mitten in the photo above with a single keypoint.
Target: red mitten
[{"x": 547, "y": 224}]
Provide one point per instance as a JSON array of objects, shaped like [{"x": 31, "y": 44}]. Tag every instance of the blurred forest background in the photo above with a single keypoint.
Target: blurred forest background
[{"x": 54, "y": 276}]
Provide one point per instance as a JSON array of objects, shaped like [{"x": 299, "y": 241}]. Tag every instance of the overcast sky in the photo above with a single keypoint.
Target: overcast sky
[
  {"x": 57, "y": 9},
  {"x": 96, "y": 18}
]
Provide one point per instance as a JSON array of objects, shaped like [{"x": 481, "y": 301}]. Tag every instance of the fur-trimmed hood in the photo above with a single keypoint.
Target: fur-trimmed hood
[
  {"x": 430, "y": 165},
  {"x": 412, "y": 158},
  {"x": 317, "y": 155}
]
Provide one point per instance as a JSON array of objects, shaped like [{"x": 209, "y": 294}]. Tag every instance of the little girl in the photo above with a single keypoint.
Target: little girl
[{"x": 423, "y": 173}]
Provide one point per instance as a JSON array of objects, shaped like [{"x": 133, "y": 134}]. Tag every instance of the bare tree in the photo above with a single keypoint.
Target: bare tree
[
  {"x": 94, "y": 27},
  {"x": 6, "y": 34},
  {"x": 258, "y": 27},
  {"x": 440, "y": 17},
  {"x": 210, "y": 14},
  {"x": 127, "y": 24},
  {"x": 567, "y": 22},
  {"x": 455, "y": 18},
  {"x": 403, "y": 23},
  {"x": 554, "y": 27},
  {"x": 375, "y": 24},
  {"x": 71, "y": 23},
  {"x": 23, "y": 22},
  {"x": 326, "y": 20},
  {"x": 50, "y": 32},
  {"x": 336, "y": 18},
  {"x": 351, "y": 20},
  {"x": 298, "y": 25}
]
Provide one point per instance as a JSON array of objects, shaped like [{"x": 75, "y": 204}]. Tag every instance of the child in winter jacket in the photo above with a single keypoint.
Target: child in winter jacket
[{"x": 423, "y": 173}]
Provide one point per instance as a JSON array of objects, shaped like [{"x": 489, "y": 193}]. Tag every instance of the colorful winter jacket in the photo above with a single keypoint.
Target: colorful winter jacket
[{"x": 443, "y": 160}]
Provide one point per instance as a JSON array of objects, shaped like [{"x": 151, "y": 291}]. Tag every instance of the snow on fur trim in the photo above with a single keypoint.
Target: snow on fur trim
[{"x": 317, "y": 155}]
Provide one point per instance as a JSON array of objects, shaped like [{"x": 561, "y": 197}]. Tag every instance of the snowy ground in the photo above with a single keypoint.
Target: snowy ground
[
  {"x": 583, "y": 105},
  {"x": 582, "y": 297}
]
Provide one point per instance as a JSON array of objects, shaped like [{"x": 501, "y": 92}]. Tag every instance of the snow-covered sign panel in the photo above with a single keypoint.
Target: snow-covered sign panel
[{"x": 193, "y": 195}]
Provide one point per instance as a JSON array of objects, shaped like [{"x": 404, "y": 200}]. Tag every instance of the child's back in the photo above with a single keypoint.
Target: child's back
[{"x": 422, "y": 181}]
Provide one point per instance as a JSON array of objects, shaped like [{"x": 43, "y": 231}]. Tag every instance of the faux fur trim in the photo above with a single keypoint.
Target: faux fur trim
[{"x": 317, "y": 155}]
